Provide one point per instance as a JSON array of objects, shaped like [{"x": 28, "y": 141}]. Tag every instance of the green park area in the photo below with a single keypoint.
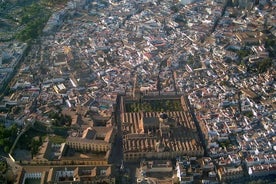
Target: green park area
[
  {"x": 33, "y": 19},
  {"x": 34, "y": 137},
  {"x": 24, "y": 20}
]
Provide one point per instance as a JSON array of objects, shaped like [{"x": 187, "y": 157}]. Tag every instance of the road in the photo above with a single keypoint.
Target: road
[{"x": 117, "y": 151}]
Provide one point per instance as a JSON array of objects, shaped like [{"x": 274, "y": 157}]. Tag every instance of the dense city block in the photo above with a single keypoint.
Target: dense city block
[{"x": 138, "y": 91}]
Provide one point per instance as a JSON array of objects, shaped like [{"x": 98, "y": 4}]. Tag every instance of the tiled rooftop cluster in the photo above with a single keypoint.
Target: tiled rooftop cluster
[
  {"x": 92, "y": 139},
  {"x": 193, "y": 170},
  {"x": 188, "y": 170},
  {"x": 10, "y": 55},
  {"x": 237, "y": 108},
  {"x": 71, "y": 174},
  {"x": 159, "y": 134}
]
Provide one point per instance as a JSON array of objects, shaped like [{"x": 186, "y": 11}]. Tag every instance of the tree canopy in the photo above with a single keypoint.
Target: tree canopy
[
  {"x": 155, "y": 106},
  {"x": 7, "y": 136},
  {"x": 33, "y": 20}
]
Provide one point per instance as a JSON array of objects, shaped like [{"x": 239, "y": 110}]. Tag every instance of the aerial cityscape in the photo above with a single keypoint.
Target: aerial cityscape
[{"x": 137, "y": 91}]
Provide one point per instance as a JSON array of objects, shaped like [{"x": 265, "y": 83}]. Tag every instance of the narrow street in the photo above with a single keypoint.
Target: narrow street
[{"x": 117, "y": 151}]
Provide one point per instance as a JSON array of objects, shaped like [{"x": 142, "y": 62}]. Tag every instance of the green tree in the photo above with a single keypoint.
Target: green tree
[
  {"x": 264, "y": 65},
  {"x": 7, "y": 136},
  {"x": 34, "y": 146},
  {"x": 33, "y": 19},
  {"x": 270, "y": 43},
  {"x": 2, "y": 142},
  {"x": 174, "y": 8},
  {"x": 13, "y": 129},
  {"x": 243, "y": 53},
  {"x": 6, "y": 149}
]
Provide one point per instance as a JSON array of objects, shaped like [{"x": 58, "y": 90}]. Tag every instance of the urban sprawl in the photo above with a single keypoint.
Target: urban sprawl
[{"x": 144, "y": 92}]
